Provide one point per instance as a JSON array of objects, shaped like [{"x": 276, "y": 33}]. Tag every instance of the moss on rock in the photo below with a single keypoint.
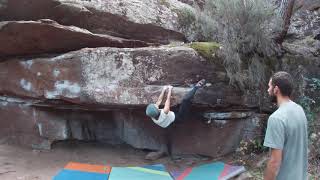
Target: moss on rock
[{"x": 205, "y": 49}]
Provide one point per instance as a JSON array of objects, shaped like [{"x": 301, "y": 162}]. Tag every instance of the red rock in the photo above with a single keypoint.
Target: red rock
[
  {"x": 45, "y": 36},
  {"x": 149, "y": 20}
]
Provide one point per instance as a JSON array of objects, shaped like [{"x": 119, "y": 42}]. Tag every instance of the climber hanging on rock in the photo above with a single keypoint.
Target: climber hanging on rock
[{"x": 164, "y": 117}]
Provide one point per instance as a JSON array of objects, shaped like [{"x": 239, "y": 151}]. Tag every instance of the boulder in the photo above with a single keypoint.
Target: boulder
[
  {"x": 53, "y": 88},
  {"x": 100, "y": 94},
  {"x": 147, "y": 20},
  {"x": 118, "y": 77},
  {"x": 46, "y": 36},
  {"x": 39, "y": 127},
  {"x": 303, "y": 36},
  {"x": 18, "y": 125},
  {"x": 304, "y": 23}
]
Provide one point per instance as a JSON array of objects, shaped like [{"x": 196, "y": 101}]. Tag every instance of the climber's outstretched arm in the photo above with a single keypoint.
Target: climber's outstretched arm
[
  {"x": 160, "y": 98},
  {"x": 166, "y": 108}
]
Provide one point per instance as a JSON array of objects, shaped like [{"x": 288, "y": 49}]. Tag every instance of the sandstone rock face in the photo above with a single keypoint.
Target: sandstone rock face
[
  {"x": 310, "y": 4},
  {"x": 86, "y": 94},
  {"x": 40, "y": 126},
  {"x": 84, "y": 73},
  {"x": 147, "y": 20},
  {"x": 113, "y": 76},
  {"x": 304, "y": 32},
  {"x": 50, "y": 37},
  {"x": 19, "y": 124},
  {"x": 199, "y": 3},
  {"x": 305, "y": 23}
]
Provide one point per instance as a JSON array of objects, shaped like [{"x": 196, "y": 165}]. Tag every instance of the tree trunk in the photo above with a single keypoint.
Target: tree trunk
[{"x": 286, "y": 11}]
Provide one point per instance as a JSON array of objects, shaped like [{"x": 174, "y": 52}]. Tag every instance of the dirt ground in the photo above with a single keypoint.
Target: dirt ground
[{"x": 21, "y": 163}]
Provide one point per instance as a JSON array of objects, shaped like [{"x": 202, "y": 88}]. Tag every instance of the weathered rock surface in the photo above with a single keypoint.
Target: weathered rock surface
[
  {"x": 86, "y": 94},
  {"x": 310, "y": 4},
  {"x": 304, "y": 23},
  {"x": 18, "y": 124},
  {"x": 148, "y": 20},
  {"x": 304, "y": 33},
  {"x": 100, "y": 94},
  {"x": 227, "y": 115},
  {"x": 46, "y": 36},
  {"x": 40, "y": 126},
  {"x": 199, "y": 3},
  {"x": 115, "y": 77}
]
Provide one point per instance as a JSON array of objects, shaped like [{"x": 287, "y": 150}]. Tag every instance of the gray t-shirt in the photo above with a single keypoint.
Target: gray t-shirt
[
  {"x": 164, "y": 119},
  {"x": 287, "y": 130}
]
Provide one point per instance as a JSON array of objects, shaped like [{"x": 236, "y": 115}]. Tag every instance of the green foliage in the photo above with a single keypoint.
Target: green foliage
[
  {"x": 310, "y": 105},
  {"x": 165, "y": 3},
  {"x": 186, "y": 18},
  {"x": 244, "y": 28},
  {"x": 315, "y": 84}
]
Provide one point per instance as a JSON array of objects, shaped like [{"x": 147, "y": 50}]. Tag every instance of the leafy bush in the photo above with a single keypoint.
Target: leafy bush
[
  {"x": 311, "y": 107},
  {"x": 245, "y": 29}
]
